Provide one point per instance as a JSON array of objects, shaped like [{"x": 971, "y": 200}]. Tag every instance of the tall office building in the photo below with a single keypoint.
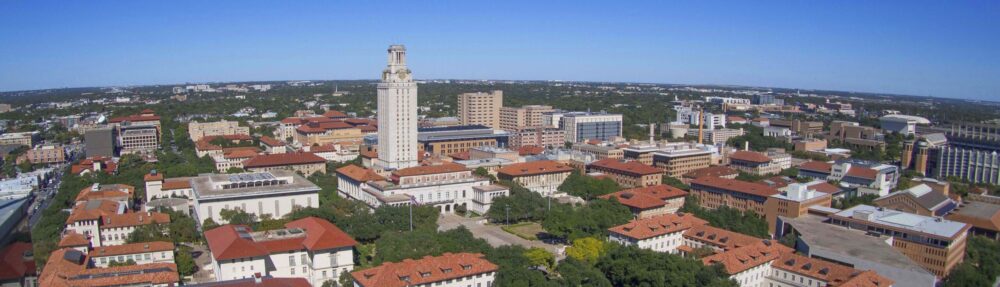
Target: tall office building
[
  {"x": 480, "y": 108},
  {"x": 583, "y": 126},
  {"x": 397, "y": 114},
  {"x": 517, "y": 118}
]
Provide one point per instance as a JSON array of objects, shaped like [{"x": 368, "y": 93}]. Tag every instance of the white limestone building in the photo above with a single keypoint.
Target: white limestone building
[
  {"x": 397, "y": 114},
  {"x": 276, "y": 192}
]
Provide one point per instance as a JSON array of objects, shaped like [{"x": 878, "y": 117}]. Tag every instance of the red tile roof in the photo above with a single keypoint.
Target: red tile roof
[
  {"x": 640, "y": 229},
  {"x": 530, "y": 150},
  {"x": 106, "y": 191},
  {"x": 424, "y": 271},
  {"x": 226, "y": 243},
  {"x": 132, "y": 248},
  {"x": 239, "y": 153},
  {"x": 646, "y": 197},
  {"x": 152, "y": 177},
  {"x": 443, "y": 167},
  {"x": 271, "y": 141},
  {"x": 60, "y": 270},
  {"x": 283, "y": 159},
  {"x": 144, "y": 117},
  {"x": 817, "y": 166},
  {"x": 108, "y": 165},
  {"x": 534, "y": 168},
  {"x": 744, "y": 258},
  {"x": 824, "y": 187},
  {"x": 73, "y": 239},
  {"x": 176, "y": 183},
  {"x": 834, "y": 274},
  {"x": 715, "y": 170},
  {"x": 359, "y": 174},
  {"x": 92, "y": 210},
  {"x": 321, "y": 234},
  {"x": 719, "y": 237},
  {"x": 862, "y": 172},
  {"x": 460, "y": 155},
  {"x": 13, "y": 264},
  {"x": 134, "y": 219},
  {"x": 749, "y": 156},
  {"x": 735, "y": 119},
  {"x": 334, "y": 114},
  {"x": 630, "y": 168},
  {"x": 736, "y": 186}
]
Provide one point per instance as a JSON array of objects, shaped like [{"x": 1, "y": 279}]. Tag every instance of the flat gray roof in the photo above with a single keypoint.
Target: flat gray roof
[
  {"x": 907, "y": 221},
  {"x": 977, "y": 209},
  {"x": 849, "y": 242},
  {"x": 204, "y": 185}
]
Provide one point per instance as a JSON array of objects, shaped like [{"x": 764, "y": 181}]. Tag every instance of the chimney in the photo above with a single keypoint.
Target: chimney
[
  {"x": 652, "y": 127},
  {"x": 256, "y": 278},
  {"x": 746, "y": 145}
]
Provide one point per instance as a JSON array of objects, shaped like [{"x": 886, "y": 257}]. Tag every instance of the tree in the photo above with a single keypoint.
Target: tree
[
  {"x": 578, "y": 273},
  {"x": 208, "y": 224},
  {"x": 481, "y": 171},
  {"x": 631, "y": 266},
  {"x": 237, "y": 216},
  {"x": 521, "y": 205},
  {"x": 185, "y": 262},
  {"x": 147, "y": 233},
  {"x": 345, "y": 279},
  {"x": 591, "y": 220},
  {"x": 981, "y": 266},
  {"x": 538, "y": 257},
  {"x": 728, "y": 218},
  {"x": 673, "y": 181},
  {"x": 587, "y": 187},
  {"x": 234, "y": 169},
  {"x": 848, "y": 202},
  {"x": 587, "y": 249},
  {"x": 269, "y": 223}
]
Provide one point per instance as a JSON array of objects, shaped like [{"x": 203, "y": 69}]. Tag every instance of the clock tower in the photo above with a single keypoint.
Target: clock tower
[{"x": 397, "y": 114}]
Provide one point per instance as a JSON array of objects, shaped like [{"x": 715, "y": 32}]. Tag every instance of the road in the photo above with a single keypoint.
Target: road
[
  {"x": 44, "y": 197},
  {"x": 493, "y": 234}
]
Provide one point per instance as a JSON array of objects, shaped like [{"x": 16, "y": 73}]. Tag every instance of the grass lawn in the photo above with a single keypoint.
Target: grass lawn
[{"x": 526, "y": 230}]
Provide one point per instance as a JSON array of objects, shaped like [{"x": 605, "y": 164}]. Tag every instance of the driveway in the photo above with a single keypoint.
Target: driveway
[
  {"x": 204, "y": 262},
  {"x": 493, "y": 235}
]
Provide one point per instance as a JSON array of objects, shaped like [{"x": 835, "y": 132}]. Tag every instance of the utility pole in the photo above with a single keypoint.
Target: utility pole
[{"x": 411, "y": 214}]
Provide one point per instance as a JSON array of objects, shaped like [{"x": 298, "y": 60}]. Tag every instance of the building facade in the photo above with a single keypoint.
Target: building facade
[
  {"x": 480, "y": 108},
  {"x": 198, "y": 130},
  {"x": 397, "y": 114},
  {"x": 628, "y": 174},
  {"x": 542, "y": 176},
  {"x": 583, "y": 126},
  {"x": 277, "y": 192},
  {"x": 517, "y": 118}
]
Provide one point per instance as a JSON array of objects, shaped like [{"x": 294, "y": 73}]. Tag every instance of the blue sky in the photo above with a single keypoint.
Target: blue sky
[{"x": 936, "y": 48}]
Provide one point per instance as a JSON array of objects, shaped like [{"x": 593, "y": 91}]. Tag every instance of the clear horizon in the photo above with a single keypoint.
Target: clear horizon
[{"x": 908, "y": 48}]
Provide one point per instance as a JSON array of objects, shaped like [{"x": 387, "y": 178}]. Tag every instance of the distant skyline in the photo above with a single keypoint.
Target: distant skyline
[{"x": 921, "y": 48}]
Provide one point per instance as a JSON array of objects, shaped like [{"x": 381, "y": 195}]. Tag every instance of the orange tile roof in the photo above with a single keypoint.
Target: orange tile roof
[
  {"x": 719, "y": 237},
  {"x": 292, "y": 120},
  {"x": 240, "y": 153},
  {"x": 631, "y": 168},
  {"x": 92, "y": 210},
  {"x": 743, "y": 258},
  {"x": 534, "y": 168},
  {"x": 834, "y": 274},
  {"x": 736, "y": 119},
  {"x": 13, "y": 264},
  {"x": 283, "y": 159},
  {"x": 646, "y": 197},
  {"x": 749, "y": 156},
  {"x": 818, "y": 166},
  {"x": 322, "y": 148},
  {"x": 862, "y": 172},
  {"x": 334, "y": 114},
  {"x": 106, "y": 191},
  {"x": 715, "y": 170},
  {"x": 271, "y": 141},
  {"x": 73, "y": 239},
  {"x": 131, "y": 248},
  {"x": 359, "y": 174},
  {"x": 735, "y": 186},
  {"x": 264, "y": 282},
  {"x": 152, "y": 177},
  {"x": 67, "y": 267},
  {"x": 824, "y": 187},
  {"x": 640, "y": 229},
  {"x": 530, "y": 150},
  {"x": 424, "y": 271},
  {"x": 134, "y": 219},
  {"x": 144, "y": 117},
  {"x": 226, "y": 243},
  {"x": 443, "y": 167},
  {"x": 176, "y": 183},
  {"x": 460, "y": 155},
  {"x": 109, "y": 165}
]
